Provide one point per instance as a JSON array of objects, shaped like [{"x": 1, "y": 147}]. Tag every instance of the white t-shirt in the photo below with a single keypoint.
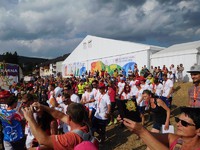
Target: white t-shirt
[
  {"x": 94, "y": 92},
  {"x": 102, "y": 106},
  {"x": 170, "y": 76},
  {"x": 120, "y": 87},
  {"x": 64, "y": 107},
  {"x": 167, "y": 85},
  {"x": 59, "y": 99},
  {"x": 30, "y": 136},
  {"x": 133, "y": 87},
  {"x": 126, "y": 96},
  {"x": 173, "y": 70},
  {"x": 74, "y": 98},
  {"x": 145, "y": 87},
  {"x": 87, "y": 96},
  {"x": 159, "y": 89},
  {"x": 66, "y": 127},
  {"x": 139, "y": 96},
  {"x": 92, "y": 96}
]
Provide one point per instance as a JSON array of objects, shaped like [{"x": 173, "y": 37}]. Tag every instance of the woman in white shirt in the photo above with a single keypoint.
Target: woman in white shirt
[
  {"x": 140, "y": 101},
  {"x": 88, "y": 99},
  {"x": 126, "y": 94}
]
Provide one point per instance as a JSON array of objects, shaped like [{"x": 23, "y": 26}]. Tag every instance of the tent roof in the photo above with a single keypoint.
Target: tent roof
[
  {"x": 179, "y": 49},
  {"x": 93, "y": 47}
]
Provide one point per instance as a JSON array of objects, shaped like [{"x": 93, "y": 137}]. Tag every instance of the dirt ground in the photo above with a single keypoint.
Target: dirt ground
[{"x": 122, "y": 139}]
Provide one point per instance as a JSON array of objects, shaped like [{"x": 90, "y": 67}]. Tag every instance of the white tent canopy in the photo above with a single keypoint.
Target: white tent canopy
[
  {"x": 185, "y": 53},
  {"x": 93, "y": 49}
]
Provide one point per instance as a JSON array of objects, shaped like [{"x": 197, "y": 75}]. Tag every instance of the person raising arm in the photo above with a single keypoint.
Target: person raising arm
[{"x": 75, "y": 117}]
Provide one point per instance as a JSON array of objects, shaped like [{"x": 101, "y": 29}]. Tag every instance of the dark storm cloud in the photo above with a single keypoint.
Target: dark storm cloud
[{"x": 51, "y": 28}]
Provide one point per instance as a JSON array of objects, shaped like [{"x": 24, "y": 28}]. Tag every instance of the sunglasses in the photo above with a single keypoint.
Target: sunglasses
[
  {"x": 184, "y": 123},
  {"x": 24, "y": 103}
]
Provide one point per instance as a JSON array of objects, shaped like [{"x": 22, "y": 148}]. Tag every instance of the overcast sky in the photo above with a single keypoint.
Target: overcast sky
[{"x": 51, "y": 28}]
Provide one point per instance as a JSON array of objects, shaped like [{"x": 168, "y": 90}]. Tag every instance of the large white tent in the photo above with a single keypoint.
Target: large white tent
[
  {"x": 96, "y": 53},
  {"x": 185, "y": 53}
]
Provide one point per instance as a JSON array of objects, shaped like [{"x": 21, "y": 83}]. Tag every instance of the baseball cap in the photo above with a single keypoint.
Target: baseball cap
[
  {"x": 137, "y": 83},
  {"x": 102, "y": 85},
  {"x": 194, "y": 68},
  {"x": 142, "y": 78},
  {"x": 4, "y": 94}
]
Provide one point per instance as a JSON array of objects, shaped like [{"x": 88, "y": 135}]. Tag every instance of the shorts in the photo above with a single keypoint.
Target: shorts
[
  {"x": 157, "y": 126},
  {"x": 141, "y": 109},
  {"x": 167, "y": 101}
]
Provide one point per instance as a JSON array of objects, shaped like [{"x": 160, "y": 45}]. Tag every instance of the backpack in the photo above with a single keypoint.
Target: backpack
[{"x": 89, "y": 140}]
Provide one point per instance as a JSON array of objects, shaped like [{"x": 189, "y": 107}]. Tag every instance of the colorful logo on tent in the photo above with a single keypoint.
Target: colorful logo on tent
[{"x": 99, "y": 65}]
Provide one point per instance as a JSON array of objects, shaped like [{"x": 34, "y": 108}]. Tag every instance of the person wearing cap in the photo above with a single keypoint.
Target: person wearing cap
[
  {"x": 144, "y": 85},
  {"x": 194, "y": 91},
  {"x": 103, "y": 109}
]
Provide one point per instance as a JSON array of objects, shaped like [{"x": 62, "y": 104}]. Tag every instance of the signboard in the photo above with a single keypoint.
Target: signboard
[{"x": 9, "y": 70}]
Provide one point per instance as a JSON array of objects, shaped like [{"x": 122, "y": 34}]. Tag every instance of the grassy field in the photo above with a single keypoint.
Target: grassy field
[{"x": 119, "y": 139}]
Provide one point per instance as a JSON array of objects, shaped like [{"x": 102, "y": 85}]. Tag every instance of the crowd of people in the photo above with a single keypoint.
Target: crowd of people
[{"x": 57, "y": 113}]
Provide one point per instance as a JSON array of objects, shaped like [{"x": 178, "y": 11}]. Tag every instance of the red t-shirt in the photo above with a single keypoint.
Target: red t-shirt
[
  {"x": 68, "y": 140},
  {"x": 112, "y": 94}
]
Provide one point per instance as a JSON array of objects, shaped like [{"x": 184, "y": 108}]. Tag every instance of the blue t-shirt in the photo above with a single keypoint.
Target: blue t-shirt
[{"x": 12, "y": 128}]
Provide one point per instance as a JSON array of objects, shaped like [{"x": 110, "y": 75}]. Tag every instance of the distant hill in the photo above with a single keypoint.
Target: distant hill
[
  {"x": 28, "y": 60},
  {"x": 31, "y": 60}
]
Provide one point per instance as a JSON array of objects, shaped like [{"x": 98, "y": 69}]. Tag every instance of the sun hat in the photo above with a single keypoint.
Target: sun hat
[{"x": 194, "y": 68}]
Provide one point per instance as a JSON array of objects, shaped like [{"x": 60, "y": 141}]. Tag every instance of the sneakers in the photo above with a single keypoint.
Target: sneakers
[
  {"x": 110, "y": 123},
  {"x": 115, "y": 121}
]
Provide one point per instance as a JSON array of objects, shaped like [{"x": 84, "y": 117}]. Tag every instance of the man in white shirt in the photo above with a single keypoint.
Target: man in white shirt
[
  {"x": 170, "y": 75},
  {"x": 103, "y": 108},
  {"x": 158, "y": 89},
  {"x": 144, "y": 85},
  {"x": 167, "y": 90}
]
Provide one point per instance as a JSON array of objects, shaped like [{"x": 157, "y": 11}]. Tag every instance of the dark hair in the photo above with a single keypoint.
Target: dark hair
[
  {"x": 68, "y": 87},
  {"x": 45, "y": 120},
  {"x": 125, "y": 90},
  {"x": 78, "y": 113},
  {"x": 11, "y": 100},
  {"x": 28, "y": 96},
  {"x": 66, "y": 95},
  {"x": 156, "y": 80},
  {"x": 148, "y": 92},
  {"x": 95, "y": 81},
  {"x": 165, "y": 75},
  {"x": 193, "y": 113}
]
